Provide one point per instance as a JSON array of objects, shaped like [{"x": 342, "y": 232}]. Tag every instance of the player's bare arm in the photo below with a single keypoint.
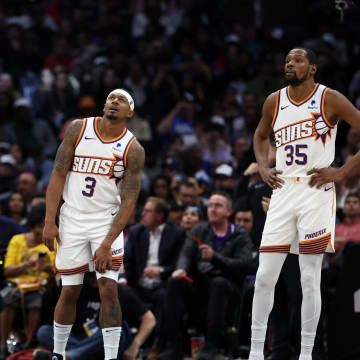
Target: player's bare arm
[
  {"x": 337, "y": 105},
  {"x": 62, "y": 164},
  {"x": 130, "y": 188},
  {"x": 262, "y": 144}
]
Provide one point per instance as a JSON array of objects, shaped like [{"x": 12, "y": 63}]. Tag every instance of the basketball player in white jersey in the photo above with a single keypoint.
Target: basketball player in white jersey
[
  {"x": 301, "y": 217},
  {"x": 97, "y": 170}
]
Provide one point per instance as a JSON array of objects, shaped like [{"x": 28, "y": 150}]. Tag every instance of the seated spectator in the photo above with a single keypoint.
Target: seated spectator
[
  {"x": 7, "y": 177},
  {"x": 216, "y": 150},
  {"x": 27, "y": 187},
  {"x": 15, "y": 208},
  {"x": 161, "y": 187},
  {"x": 85, "y": 341},
  {"x": 349, "y": 229},
  {"x": 29, "y": 267},
  {"x": 175, "y": 213},
  {"x": 223, "y": 179},
  {"x": 151, "y": 252},
  {"x": 244, "y": 218},
  {"x": 217, "y": 255},
  {"x": 190, "y": 218},
  {"x": 350, "y": 185}
]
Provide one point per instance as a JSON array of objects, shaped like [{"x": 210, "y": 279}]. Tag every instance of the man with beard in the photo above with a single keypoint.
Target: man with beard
[
  {"x": 301, "y": 218},
  {"x": 97, "y": 170}
]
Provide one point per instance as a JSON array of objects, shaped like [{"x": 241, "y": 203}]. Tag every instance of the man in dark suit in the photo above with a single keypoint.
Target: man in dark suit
[{"x": 151, "y": 252}]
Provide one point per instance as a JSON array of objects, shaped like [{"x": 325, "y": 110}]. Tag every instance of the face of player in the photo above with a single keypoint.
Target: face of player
[
  {"x": 117, "y": 107},
  {"x": 218, "y": 210},
  {"x": 244, "y": 219},
  {"x": 298, "y": 68}
]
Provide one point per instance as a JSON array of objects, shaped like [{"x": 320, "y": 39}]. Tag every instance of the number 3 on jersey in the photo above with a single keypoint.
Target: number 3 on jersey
[
  {"x": 295, "y": 152},
  {"x": 90, "y": 186}
]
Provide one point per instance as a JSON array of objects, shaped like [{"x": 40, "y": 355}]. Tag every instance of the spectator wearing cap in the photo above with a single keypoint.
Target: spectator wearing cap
[
  {"x": 216, "y": 150},
  {"x": 223, "y": 178},
  {"x": 216, "y": 256},
  {"x": 34, "y": 136},
  {"x": 7, "y": 177}
]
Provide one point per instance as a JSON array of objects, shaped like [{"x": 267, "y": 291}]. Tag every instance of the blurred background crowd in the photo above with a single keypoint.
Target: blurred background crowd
[{"x": 199, "y": 72}]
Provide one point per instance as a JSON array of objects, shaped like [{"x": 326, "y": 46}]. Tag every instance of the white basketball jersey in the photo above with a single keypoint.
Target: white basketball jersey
[
  {"x": 304, "y": 137},
  {"x": 90, "y": 185}
]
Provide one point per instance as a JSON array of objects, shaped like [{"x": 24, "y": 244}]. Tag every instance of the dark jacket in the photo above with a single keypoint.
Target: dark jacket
[
  {"x": 137, "y": 250},
  {"x": 233, "y": 259}
]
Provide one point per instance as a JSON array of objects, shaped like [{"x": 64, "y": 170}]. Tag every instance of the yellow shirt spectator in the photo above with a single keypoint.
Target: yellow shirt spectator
[{"x": 19, "y": 252}]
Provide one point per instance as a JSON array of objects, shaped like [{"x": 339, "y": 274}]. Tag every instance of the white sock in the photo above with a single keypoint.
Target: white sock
[
  {"x": 61, "y": 336},
  {"x": 111, "y": 337}
]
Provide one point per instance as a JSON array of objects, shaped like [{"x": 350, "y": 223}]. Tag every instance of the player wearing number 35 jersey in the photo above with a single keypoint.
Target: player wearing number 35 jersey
[
  {"x": 302, "y": 118},
  {"x": 97, "y": 171}
]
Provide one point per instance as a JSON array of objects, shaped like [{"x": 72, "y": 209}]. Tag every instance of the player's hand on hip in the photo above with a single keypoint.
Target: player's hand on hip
[
  {"x": 270, "y": 177},
  {"x": 103, "y": 259},
  {"x": 50, "y": 233},
  {"x": 323, "y": 176}
]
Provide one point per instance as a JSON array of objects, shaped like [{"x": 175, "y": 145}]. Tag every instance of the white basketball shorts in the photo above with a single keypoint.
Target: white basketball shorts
[
  {"x": 80, "y": 236},
  {"x": 300, "y": 219}
]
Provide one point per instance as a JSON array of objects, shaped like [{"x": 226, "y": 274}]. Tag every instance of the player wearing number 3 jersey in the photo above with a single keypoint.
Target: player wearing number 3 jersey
[
  {"x": 97, "y": 170},
  {"x": 301, "y": 218}
]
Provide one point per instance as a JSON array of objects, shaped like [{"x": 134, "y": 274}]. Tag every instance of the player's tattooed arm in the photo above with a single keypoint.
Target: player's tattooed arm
[
  {"x": 65, "y": 152},
  {"x": 130, "y": 188},
  {"x": 62, "y": 164}
]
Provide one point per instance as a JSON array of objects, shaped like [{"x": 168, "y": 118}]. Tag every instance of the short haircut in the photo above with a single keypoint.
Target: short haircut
[
  {"x": 36, "y": 215},
  {"x": 353, "y": 195},
  {"x": 310, "y": 54},
  {"x": 225, "y": 195},
  {"x": 186, "y": 183},
  {"x": 160, "y": 205}
]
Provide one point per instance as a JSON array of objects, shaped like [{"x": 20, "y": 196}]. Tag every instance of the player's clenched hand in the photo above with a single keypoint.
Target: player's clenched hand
[
  {"x": 324, "y": 176},
  {"x": 103, "y": 259},
  {"x": 50, "y": 232},
  {"x": 270, "y": 177}
]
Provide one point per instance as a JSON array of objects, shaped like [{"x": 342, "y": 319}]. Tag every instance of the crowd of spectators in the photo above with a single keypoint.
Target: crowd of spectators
[{"x": 199, "y": 72}]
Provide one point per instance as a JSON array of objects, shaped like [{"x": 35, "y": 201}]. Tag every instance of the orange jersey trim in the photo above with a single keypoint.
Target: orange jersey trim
[
  {"x": 275, "y": 249},
  {"x": 315, "y": 246},
  {"x": 323, "y": 109},
  {"x": 72, "y": 271},
  {"x": 127, "y": 150},
  {"x": 302, "y": 101},
  {"x": 107, "y": 141},
  {"x": 81, "y": 132},
  {"x": 277, "y": 104}
]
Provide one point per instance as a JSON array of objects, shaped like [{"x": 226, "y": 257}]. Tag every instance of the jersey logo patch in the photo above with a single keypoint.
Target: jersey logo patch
[
  {"x": 314, "y": 127},
  {"x": 96, "y": 166}
]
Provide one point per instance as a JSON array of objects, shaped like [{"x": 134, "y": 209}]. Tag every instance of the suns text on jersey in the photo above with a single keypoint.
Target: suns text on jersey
[
  {"x": 92, "y": 165},
  {"x": 293, "y": 132}
]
